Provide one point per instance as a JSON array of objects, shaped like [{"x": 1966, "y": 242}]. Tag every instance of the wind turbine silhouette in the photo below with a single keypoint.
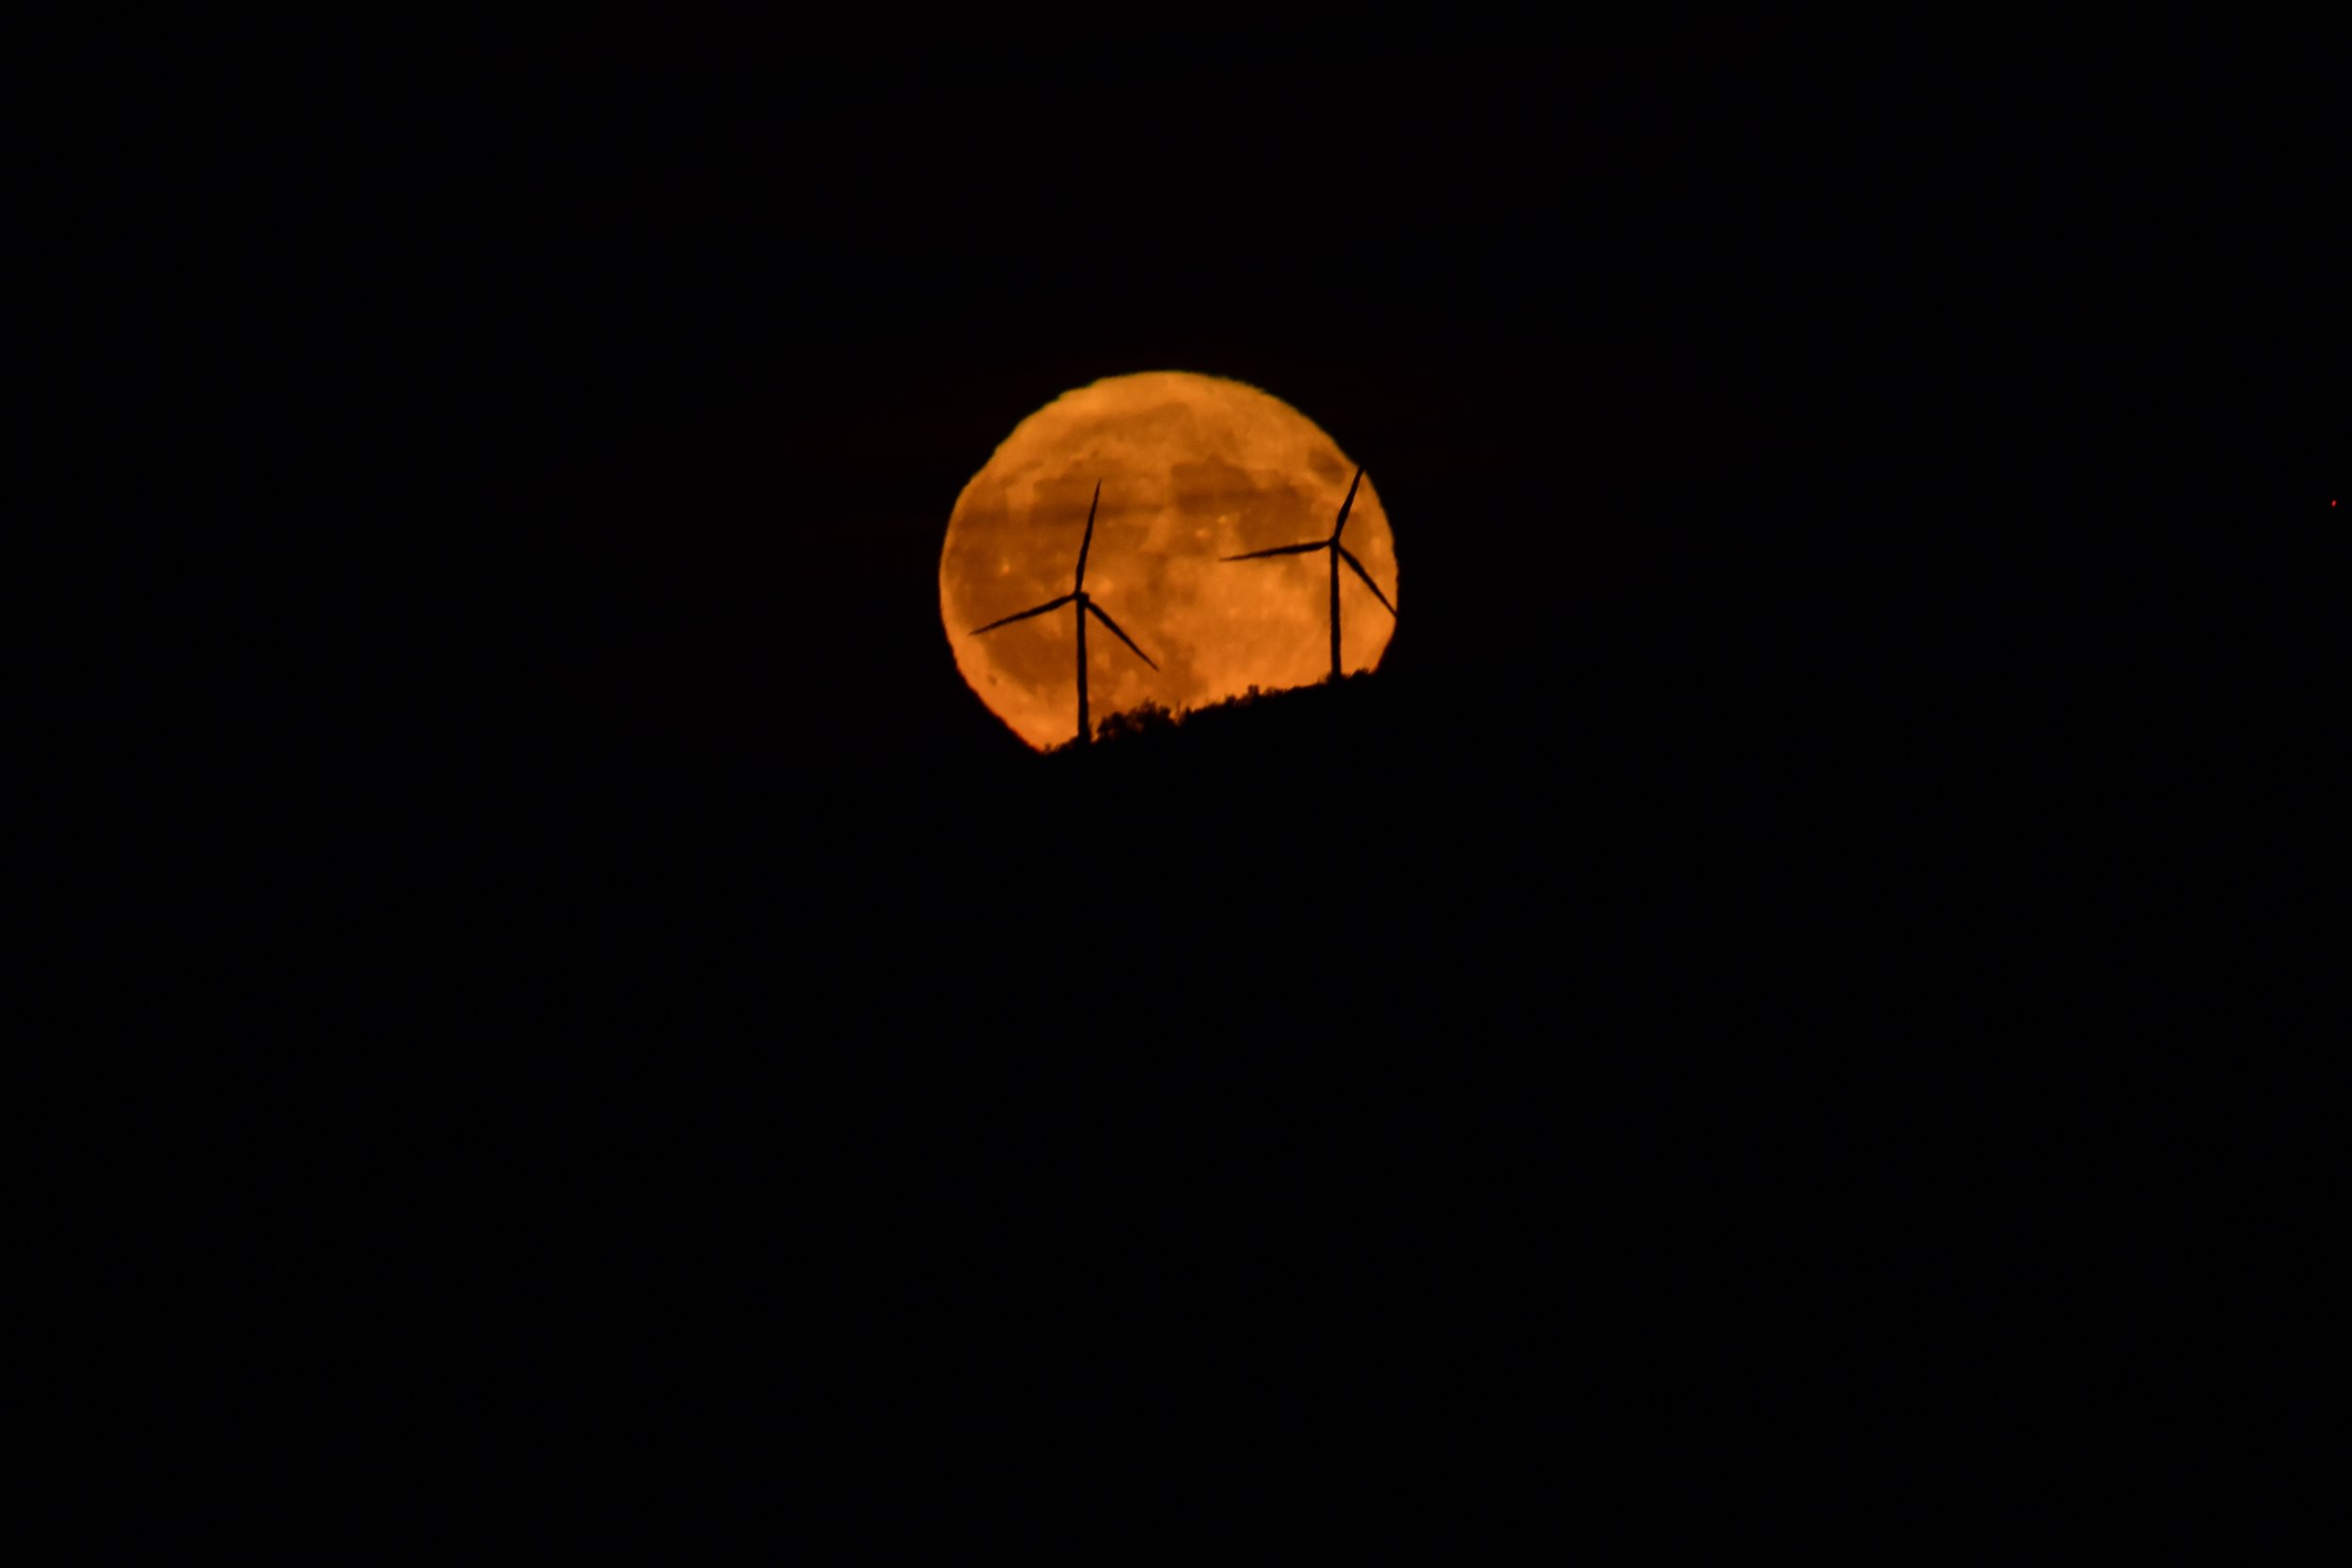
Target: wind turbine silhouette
[
  {"x": 1086, "y": 607},
  {"x": 1339, "y": 553}
]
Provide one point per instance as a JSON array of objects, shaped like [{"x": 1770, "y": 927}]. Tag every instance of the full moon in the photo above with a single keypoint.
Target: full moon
[{"x": 1192, "y": 468}]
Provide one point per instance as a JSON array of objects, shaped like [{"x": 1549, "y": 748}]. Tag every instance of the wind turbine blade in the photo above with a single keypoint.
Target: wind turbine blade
[
  {"x": 1346, "y": 506},
  {"x": 1096, "y": 611},
  {"x": 1281, "y": 550},
  {"x": 1050, "y": 603},
  {"x": 1348, "y": 556},
  {"x": 1088, "y": 542}
]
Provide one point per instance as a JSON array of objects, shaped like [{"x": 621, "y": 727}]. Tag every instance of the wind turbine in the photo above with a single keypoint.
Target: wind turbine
[
  {"x": 1339, "y": 553},
  {"x": 1086, "y": 607}
]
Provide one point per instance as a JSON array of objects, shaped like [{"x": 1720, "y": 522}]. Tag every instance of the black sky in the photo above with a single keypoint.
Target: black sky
[
  {"x": 1860, "y": 502},
  {"x": 499, "y": 298}
]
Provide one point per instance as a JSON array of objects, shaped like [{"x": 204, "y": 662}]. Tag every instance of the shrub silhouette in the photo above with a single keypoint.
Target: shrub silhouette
[
  {"x": 1145, "y": 717},
  {"x": 1251, "y": 723}
]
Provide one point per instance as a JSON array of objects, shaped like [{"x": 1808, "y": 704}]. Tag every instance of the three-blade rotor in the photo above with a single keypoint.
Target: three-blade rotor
[
  {"x": 1331, "y": 543},
  {"x": 1077, "y": 594}
]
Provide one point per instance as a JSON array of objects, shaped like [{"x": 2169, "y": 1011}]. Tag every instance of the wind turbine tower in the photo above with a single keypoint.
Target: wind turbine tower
[
  {"x": 1077, "y": 596},
  {"x": 1339, "y": 553}
]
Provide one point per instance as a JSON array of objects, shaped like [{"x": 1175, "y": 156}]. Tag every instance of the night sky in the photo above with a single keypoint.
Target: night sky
[
  {"x": 1753, "y": 984},
  {"x": 1903, "y": 335}
]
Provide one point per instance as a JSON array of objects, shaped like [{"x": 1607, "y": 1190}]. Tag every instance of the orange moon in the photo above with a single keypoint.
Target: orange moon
[{"x": 1193, "y": 467}]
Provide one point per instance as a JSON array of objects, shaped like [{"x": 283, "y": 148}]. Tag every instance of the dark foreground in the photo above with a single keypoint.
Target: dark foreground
[
  {"x": 1774, "y": 1017},
  {"x": 1719, "y": 1097}
]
